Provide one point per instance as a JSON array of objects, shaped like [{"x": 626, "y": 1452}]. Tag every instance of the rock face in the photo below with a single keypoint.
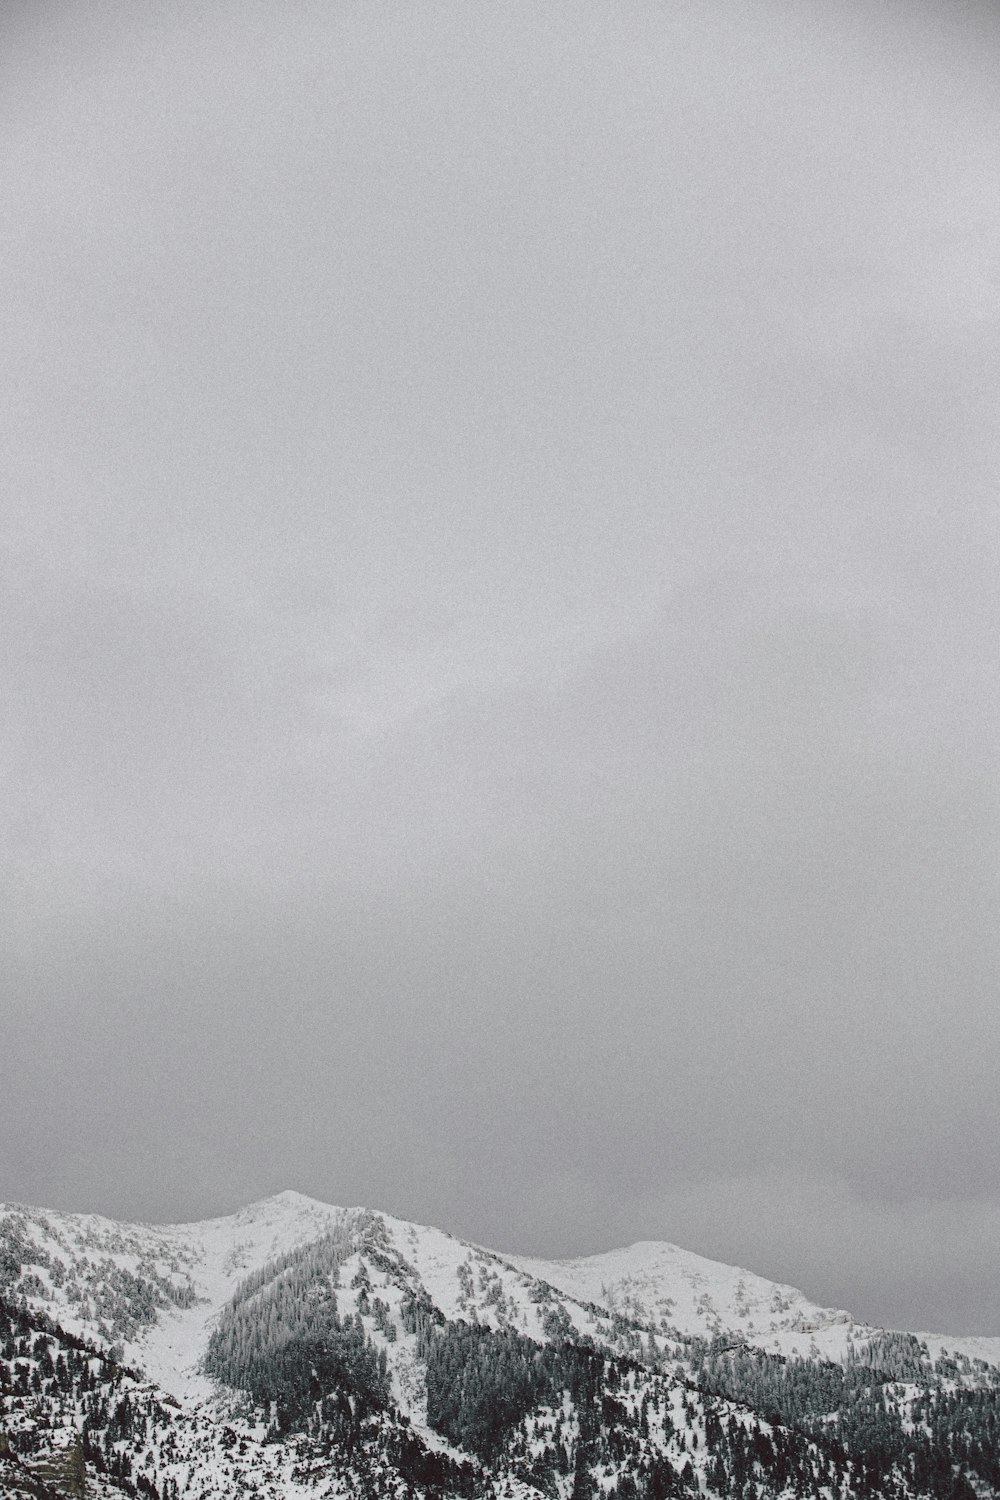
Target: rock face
[
  {"x": 296, "y": 1347},
  {"x": 62, "y": 1469}
]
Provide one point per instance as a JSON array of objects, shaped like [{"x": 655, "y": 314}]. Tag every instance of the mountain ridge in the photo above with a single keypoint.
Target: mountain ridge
[
  {"x": 625, "y": 1275},
  {"x": 315, "y": 1344}
]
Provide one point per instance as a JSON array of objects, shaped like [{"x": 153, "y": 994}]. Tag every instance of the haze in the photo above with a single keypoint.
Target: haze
[{"x": 499, "y": 618}]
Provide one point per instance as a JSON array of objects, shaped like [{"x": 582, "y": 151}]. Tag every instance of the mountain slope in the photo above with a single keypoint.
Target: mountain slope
[
  {"x": 297, "y": 1345},
  {"x": 664, "y": 1286}
]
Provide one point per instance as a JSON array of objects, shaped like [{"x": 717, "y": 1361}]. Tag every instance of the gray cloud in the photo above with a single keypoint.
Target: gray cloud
[{"x": 499, "y": 617}]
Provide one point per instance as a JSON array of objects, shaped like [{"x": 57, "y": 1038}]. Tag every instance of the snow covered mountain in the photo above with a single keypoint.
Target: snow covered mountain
[
  {"x": 157, "y": 1290},
  {"x": 296, "y": 1346}
]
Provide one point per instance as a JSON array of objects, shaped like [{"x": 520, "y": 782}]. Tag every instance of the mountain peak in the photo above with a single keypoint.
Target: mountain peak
[
  {"x": 289, "y": 1204},
  {"x": 292, "y": 1198}
]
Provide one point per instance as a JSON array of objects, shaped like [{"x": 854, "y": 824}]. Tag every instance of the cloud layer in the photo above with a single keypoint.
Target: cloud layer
[{"x": 499, "y": 617}]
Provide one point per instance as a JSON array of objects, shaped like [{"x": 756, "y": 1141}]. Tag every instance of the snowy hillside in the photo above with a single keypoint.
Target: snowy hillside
[
  {"x": 156, "y": 1290},
  {"x": 296, "y": 1344},
  {"x": 665, "y": 1287},
  {"x": 153, "y": 1289}
]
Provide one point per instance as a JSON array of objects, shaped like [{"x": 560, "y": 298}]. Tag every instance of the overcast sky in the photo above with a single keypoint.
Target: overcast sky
[{"x": 499, "y": 623}]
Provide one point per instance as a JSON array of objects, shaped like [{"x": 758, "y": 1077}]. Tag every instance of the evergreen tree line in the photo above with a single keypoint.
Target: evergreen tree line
[
  {"x": 50, "y": 1379},
  {"x": 49, "y": 1376},
  {"x": 940, "y": 1442},
  {"x": 281, "y": 1339},
  {"x": 482, "y": 1385}
]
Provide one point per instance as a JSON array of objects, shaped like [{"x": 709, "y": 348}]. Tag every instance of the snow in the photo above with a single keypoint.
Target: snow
[
  {"x": 215, "y": 1255},
  {"x": 86, "y": 1268},
  {"x": 649, "y": 1284},
  {"x": 659, "y": 1284}
]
